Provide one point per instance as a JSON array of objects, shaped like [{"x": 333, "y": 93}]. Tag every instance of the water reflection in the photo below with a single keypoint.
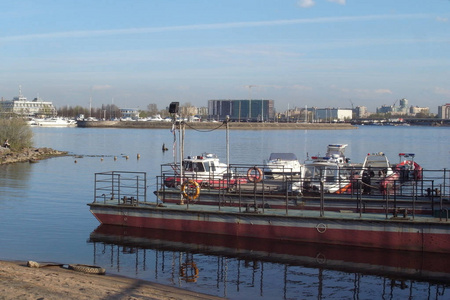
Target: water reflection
[
  {"x": 15, "y": 175},
  {"x": 14, "y": 180},
  {"x": 264, "y": 269}
]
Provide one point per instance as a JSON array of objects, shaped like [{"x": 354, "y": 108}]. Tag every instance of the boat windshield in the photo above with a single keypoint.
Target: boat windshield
[
  {"x": 193, "y": 166},
  {"x": 330, "y": 174}
]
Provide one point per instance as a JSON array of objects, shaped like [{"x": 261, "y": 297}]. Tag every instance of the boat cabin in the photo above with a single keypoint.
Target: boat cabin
[{"x": 204, "y": 166}]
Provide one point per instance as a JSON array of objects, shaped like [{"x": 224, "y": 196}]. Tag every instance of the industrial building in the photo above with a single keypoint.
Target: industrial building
[{"x": 242, "y": 110}]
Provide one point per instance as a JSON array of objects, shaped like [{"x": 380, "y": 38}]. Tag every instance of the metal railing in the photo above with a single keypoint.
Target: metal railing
[
  {"x": 121, "y": 187},
  {"x": 426, "y": 195}
]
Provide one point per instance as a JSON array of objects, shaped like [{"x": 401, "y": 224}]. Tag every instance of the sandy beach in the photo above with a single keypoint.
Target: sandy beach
[{"x": 18, "y": 281}]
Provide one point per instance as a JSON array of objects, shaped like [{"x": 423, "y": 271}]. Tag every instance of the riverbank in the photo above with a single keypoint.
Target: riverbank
[
  {"x": 27, "y": 155},
  {"x": 21, "y": 282},
  {"x": 218, "y": 125}
]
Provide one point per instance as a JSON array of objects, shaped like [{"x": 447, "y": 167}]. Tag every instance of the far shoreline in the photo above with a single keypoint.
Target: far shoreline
[{"x": 217, "y": 125}]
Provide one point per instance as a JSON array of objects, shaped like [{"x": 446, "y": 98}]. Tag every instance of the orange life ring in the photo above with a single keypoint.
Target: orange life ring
[
  {"x": 190, "y": 268},
  {"x": 257, "y": 177},
  {"x": 187, "y": 193}
]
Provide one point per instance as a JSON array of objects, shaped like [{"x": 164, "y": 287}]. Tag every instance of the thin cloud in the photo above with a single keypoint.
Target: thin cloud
[
  {"x": 442, "y": 19},
  {"x": 96, "y": 33},
  {"x": 383, "y": 91},
  {"x": 341, "y": 2},
  {"x": 306, "y": 3}
]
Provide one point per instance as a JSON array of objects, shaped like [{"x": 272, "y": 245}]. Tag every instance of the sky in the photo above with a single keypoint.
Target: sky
[{"x": 299, "y": 53}]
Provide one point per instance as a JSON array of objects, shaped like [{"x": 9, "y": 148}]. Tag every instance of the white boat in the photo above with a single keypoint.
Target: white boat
[
  {"x": 55, "y": 122},
  {"x": 377, "y": 173},
  {"x": 205, "y": 169},
  {"x": 206, "y": 165},
  {"x": 280, "y": 165},
  {"x": 377, "y": 166},
  {"x": 332, "y": 170},
  {"x": 156, "y": 118}
]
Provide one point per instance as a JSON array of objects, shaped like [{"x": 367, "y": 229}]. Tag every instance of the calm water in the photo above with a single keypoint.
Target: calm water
[{"x": 44, "y": 216}]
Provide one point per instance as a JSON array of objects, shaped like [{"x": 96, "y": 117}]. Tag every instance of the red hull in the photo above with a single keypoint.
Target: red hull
[{"x": 388, "y": 234}]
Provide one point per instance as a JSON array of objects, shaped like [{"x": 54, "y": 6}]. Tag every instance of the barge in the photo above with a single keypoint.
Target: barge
[{"x": 120, "y": 198}]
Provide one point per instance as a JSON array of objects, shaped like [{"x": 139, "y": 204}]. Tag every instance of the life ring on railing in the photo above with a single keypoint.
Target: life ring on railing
[
  {"x": 190, "y": 189},
  {"x": 189, "y": 271},
  {"x": 254, "y": 174}
]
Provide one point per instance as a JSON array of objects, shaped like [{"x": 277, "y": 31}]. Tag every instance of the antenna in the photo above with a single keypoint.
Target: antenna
[{"x": 250, "y": 102}]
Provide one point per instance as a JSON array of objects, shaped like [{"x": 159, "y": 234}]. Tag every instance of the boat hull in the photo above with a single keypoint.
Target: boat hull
[{"x": 398, "y": 234}]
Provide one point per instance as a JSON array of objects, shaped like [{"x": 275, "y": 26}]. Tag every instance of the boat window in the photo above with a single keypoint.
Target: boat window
[
  {"x": 213, "y": 167},
  {"x": 313, "y": 172},
  {"x": 330, "y": 175},
  {"x": 198, "y": 167},
  {"x": 187, "y": 165},
  {"x": 308, "y": 172}
]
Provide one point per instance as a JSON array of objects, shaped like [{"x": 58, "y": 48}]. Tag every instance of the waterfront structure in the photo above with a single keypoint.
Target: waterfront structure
[
  {"x": 37, "y": 108},
  {"x": 129, "y": 113},
  {"x": 202, "y": 111},
  {"x": 414, "y": 110},
  {"x": 402, "y": 109},
  {"x": 392, "y": 109},
  {"x": 444, "y": 111},
  {"x": 360, "y": 111},
  {"x": 332, "y": 114},
  {"x": 241, "y": 110}
]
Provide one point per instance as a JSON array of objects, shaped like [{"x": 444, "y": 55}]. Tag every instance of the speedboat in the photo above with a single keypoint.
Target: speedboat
[
  {"x": 332, "y": 171},
  {"x": 377, "y": 172},
  {"x": 280, "y": 165},
  {"x": 408, "y": 168}
]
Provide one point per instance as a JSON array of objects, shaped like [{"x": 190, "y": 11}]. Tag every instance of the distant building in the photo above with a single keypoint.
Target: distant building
[
  {"x": 402, "y": 109},
  {"x": 241, "y": 110},
  {"x": 444, "y": 111},
  {"x": 414, "y": 110},
  {"x": 332, "y": 114},
  {"x": 202, "y": 111},
  {"x": 129, "y": 113},
  {"x": 385, "y": 109},
  {"x": 22, "y": 107},
  {"x": 360, "y": 112}
]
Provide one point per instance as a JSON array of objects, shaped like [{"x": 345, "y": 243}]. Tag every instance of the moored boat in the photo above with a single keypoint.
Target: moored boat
[
  {"x": 331, "y": 173},
  {"x": 280, "y": 165},
  {"x": 378, "y": 174},
  {"x": 55, "y": 122},
  {"x": 204, "y": 170}
]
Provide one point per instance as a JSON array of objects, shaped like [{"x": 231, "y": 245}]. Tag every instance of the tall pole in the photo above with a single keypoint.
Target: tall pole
[
  {"x": 250, "y": 101},
  {"x": 262, "y": 110},
  {"x": 228, "y": 144}
]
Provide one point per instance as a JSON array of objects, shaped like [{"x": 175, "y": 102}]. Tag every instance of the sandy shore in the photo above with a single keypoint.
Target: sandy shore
[{"x": 21, "y": 282}]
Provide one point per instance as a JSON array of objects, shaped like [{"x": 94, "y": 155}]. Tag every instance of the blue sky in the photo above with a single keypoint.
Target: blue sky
[{"x": 324, "y": 53}]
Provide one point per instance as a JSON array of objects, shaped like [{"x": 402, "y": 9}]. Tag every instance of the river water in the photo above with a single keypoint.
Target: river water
[{"x": 44, "y": 216}]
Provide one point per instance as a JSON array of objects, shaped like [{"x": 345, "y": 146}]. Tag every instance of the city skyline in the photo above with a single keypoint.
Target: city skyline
[{"x": 333, "y": 53}]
